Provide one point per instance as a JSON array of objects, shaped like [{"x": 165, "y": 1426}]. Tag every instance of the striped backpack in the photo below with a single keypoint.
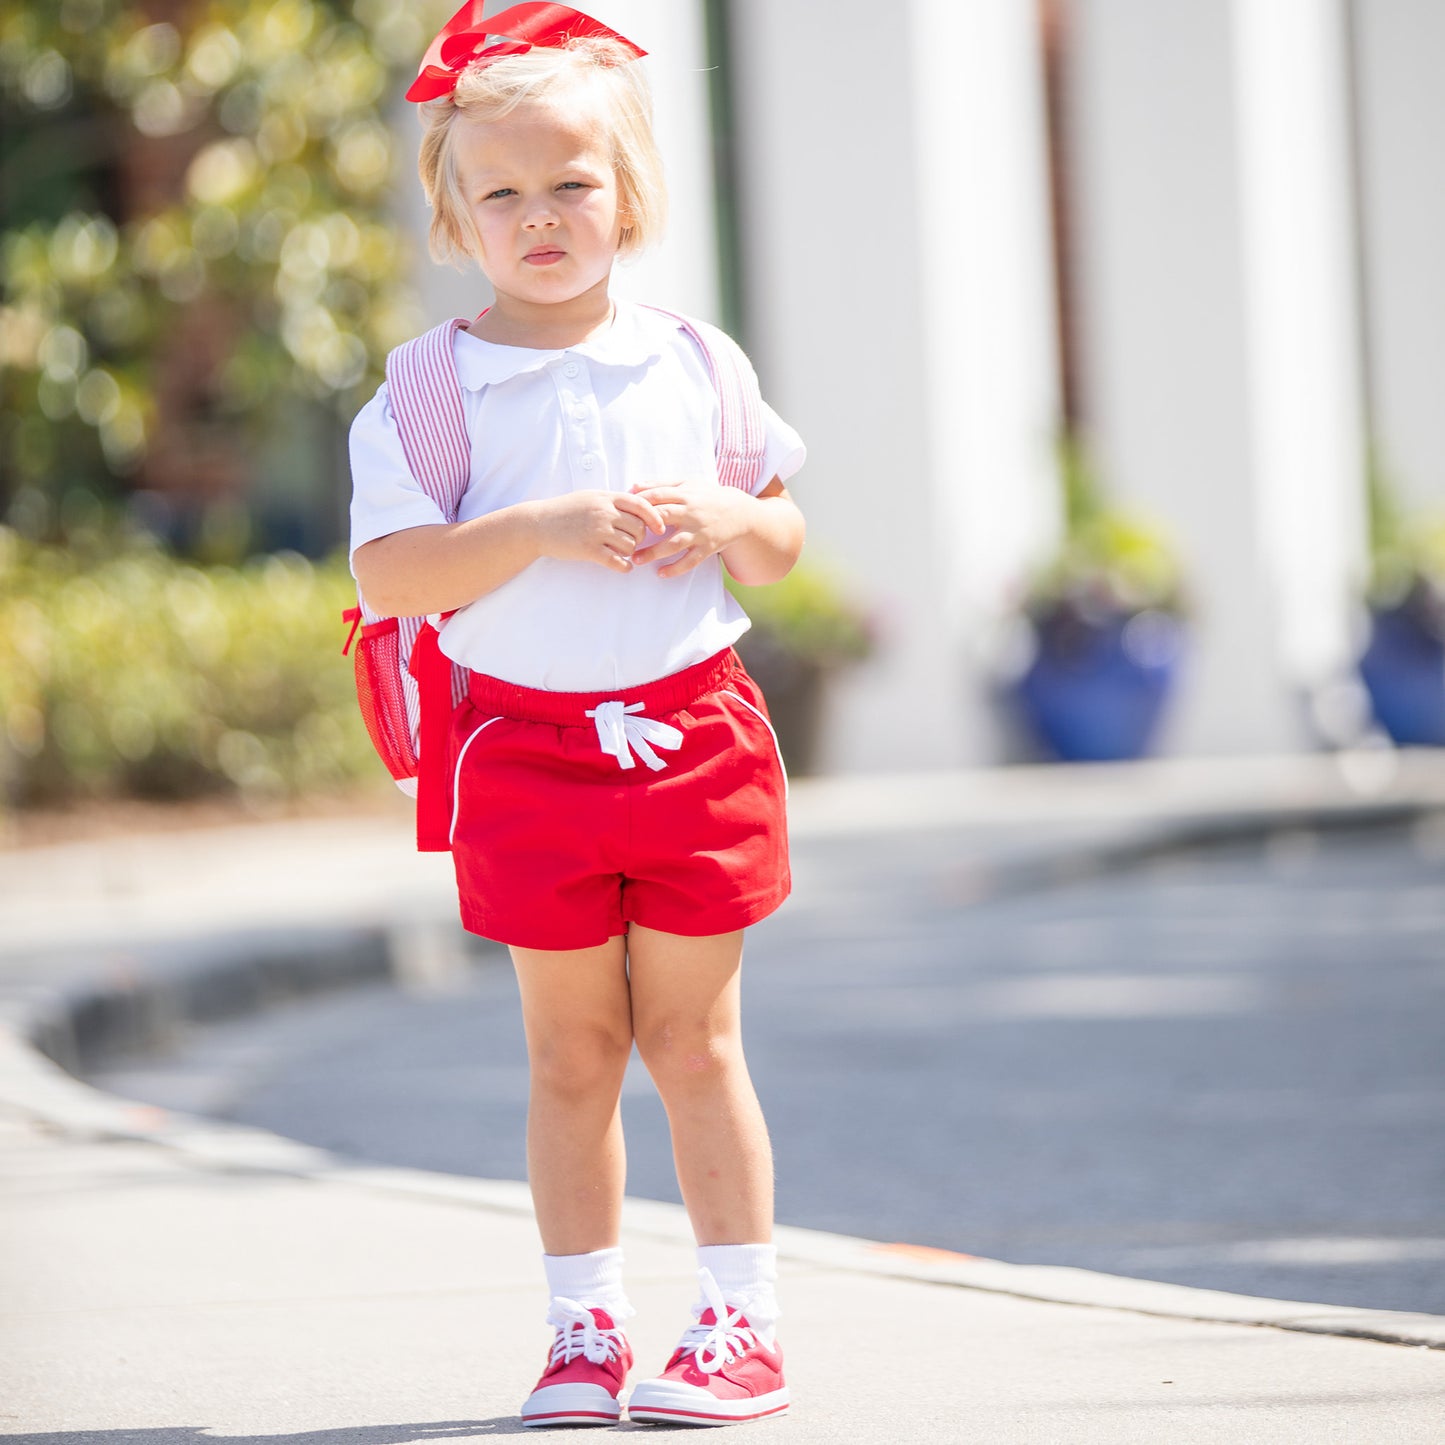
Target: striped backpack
[{"x": 406, "y": 686}]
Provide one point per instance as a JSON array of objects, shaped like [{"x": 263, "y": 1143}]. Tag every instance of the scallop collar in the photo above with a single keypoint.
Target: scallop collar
[{"x": 636, "y": 337}]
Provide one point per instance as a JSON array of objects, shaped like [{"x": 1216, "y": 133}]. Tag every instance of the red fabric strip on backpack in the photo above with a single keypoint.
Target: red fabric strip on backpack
[{"x": 433, "y": 669}]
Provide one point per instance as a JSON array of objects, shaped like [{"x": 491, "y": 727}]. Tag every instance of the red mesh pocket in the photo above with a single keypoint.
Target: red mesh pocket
[{"x": 380, "y": 695}]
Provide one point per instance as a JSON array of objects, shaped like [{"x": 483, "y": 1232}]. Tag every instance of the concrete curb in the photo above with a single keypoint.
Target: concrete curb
[
  {"x": 44, "y": 1033},
  {"x": 1031, "y": 871},
  {"x": 232, "y": 972},
  {"x": 44, "y": 1091},
  {"x": 198, "y": 982}
]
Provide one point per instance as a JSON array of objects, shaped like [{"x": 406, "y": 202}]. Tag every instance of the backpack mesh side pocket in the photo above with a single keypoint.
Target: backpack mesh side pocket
[{"x": 381, "y": 698}]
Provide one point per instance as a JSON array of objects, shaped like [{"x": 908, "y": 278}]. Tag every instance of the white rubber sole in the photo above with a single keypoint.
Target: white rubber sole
[
  {"x": 571, "y": 1405},
  {"x": 656, "y": 1402}
]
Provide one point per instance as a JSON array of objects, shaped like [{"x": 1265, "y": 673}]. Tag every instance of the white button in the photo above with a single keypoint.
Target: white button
[
  {"x": 588, "y": 462},
  {"x": 579, "y": 412},
  {"x": 571, "y": 369}
]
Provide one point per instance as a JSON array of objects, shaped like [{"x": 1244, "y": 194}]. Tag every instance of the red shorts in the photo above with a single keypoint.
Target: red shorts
[{"x": 563, "y": 832}]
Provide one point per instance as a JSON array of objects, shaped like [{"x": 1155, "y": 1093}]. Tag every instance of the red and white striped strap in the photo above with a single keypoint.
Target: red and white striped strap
[
  {"x": 426, "y": 400},
  {"x": 742, "y": 438}
]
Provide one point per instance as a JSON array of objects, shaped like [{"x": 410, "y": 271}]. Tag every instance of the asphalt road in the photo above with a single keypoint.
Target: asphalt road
[{"x": 1226, "y": 1068}]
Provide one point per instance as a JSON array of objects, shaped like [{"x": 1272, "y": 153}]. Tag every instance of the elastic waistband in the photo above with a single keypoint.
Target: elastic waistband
[{"x": 570, "y": 709}]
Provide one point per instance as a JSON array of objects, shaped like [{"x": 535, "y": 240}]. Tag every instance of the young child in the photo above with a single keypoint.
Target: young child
[{"x": 585, "y": 572}]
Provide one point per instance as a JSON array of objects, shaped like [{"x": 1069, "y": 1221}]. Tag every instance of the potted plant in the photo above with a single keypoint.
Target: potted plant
[
  {"x": 805, "y": 628},
  {"x": 1403, "y": 663},
  {"x": 1106, "y": 624}
]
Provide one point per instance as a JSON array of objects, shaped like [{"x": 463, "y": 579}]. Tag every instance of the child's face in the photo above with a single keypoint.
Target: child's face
[{"x": 543, "y": 196}]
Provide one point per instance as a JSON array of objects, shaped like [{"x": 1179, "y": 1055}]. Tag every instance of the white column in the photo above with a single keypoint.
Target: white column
[
  {"x": 833, "y": 303},
  {"x": 1302, "y": 332},
  {"x": 898, "y": 285},
  {"x": 990, "y": 375},
  {"x": 1217, "y": 359},
  {"x": 1401, "y": 61},
  {"x": 682, "y": 272}
]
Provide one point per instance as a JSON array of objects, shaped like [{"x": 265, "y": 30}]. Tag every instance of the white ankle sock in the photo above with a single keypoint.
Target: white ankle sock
[
  {"x": 593, "y": 1280},
  {"x": 745, "y": 1273}
]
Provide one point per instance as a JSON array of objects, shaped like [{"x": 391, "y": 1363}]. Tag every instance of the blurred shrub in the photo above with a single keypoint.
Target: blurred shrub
[
  {"x": 133, "y": 674},
  {"x": 205, "y": 180},
  {"x": 1407, "y": 553},
  {"x": 804, "y": 629},
  {"x": 1109, "y": 562},
  {"x": 810, "y": 616}
]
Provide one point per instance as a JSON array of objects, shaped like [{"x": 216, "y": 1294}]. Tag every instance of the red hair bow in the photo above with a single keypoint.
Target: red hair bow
[{"x": 463, "y": 41}]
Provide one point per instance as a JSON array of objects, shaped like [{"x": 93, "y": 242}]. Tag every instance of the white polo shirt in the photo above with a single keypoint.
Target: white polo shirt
[{"x": 631, "y": 407}]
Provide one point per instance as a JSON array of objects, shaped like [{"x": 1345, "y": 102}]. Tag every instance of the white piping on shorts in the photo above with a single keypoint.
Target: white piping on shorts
[
  {"x": 457, "y": 778},
  {"x": 727, "y": 692}
]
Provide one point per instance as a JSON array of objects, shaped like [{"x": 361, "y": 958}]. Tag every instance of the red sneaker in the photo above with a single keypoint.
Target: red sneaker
[
  {"x": 722, "y": 1373},
  {"x": 590, "y": 1360}
]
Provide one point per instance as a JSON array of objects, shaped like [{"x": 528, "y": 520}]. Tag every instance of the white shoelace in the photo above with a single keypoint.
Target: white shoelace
[
  {"x": 620, "y": 731},
  {"x": 577, "y": 1334},
  {"x": 714, "y": 1345}
]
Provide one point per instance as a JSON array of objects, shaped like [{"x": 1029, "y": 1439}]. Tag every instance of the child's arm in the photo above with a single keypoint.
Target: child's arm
[
  {"x": 420, "y": 570},
  {"x": 759, "y": 537}
]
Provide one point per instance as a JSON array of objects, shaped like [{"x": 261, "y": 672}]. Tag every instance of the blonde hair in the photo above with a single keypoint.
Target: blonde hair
[{"x": 596, "y": 72}]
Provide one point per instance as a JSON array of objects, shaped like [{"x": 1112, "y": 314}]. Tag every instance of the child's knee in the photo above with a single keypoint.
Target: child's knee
[
  {"x": 580, "y": 1062},
  {"x": 686, "y": 1056}
]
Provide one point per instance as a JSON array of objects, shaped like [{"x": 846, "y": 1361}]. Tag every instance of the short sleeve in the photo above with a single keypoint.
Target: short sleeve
[
  {"x": 385, "y": 496},
  {"x": 783, "y": 449}
]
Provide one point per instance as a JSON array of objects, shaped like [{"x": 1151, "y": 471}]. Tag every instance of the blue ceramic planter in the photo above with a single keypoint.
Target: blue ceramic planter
[
  {"x": 1403, "y": 669},
  {"x": 1098, "y": 684}
]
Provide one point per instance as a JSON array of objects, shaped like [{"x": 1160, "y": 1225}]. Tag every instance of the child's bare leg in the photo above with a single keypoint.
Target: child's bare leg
[
  {"x": 685, "y": 1015},
  {"x": 578, "y": 1023}
]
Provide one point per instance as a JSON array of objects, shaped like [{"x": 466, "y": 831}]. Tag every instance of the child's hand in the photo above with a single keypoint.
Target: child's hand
[
  {"x": 706, "y": 518},
  {"x": 602, "y": 527}
]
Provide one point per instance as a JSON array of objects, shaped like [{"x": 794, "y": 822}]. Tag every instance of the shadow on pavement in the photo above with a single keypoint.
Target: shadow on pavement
[{"x": 345, "y": 1435}]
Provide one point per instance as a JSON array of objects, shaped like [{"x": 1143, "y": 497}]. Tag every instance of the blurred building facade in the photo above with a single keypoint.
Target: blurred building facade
[{"x": 1204, "y": 235}]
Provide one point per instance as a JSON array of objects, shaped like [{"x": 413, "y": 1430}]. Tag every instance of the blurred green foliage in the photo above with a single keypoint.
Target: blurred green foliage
[
  {"x": 1407, "y": 551},
  {"x": 129, "y": 673},
  {"x": 809, "y": 615},
  {"x": 236, "y": 158},
  {"x": 1110, "y": 560}
]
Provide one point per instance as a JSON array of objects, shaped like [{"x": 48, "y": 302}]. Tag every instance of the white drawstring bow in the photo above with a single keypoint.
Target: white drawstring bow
[{"x": 620, "y": 732}]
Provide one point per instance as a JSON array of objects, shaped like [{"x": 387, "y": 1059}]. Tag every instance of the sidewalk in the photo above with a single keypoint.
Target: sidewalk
[{"x": 169, "y": 1279}]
